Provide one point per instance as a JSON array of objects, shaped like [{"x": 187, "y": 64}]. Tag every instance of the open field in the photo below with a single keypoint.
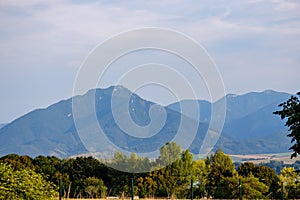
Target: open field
[{"x": 263, "y": 158}]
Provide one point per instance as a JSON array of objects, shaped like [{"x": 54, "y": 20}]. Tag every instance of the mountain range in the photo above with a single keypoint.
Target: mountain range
[
  {"x": 250, "y": 126},
  {"x": 2, "y": 125}
]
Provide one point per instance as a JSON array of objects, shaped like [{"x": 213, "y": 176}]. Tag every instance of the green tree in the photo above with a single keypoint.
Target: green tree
[
  {"x": 146, "y": 187},
  {"x": 169, "y": 153},
  {"x": 221, "y": 167},
  {"x": 174, "y": 179},
  {"x": 264, "y": 174},
  {"x": 246, "y": 169},
  {"x": 167, "y": 179},
  {"x": 121, "y": 181},
  {"x": 18, "y": 162},
  {"x": 291, "y": 111},
  {"x": 48, "y": 166},
  {"x": 289, "y": 178},
  {"x": 267, "y": 176},
  {"x": 95, "y": 187},
  {"x": 24, "y": 184},
  {"x": 200, "y": 178},
  {"x": 252, "y": 188},
  {"x": 77, "y": 170},
  {"x": 186, "y": 173}
]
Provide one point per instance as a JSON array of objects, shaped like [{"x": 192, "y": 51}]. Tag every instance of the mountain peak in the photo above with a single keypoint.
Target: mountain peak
[
  {"x": 269, "y": 91},
  {"x": 51, "y": 131},
  {"x": 231, "y": 95}
]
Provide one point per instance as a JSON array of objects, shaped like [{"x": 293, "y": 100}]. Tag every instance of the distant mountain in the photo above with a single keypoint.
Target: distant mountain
[
  {"x": 51, "y": 131},
  {"x": 250, "y": 126},
  {"x": 2, "y": 125}
]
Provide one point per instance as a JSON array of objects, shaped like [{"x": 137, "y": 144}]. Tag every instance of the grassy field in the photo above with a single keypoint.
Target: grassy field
[{"x": 259, "y": 158}]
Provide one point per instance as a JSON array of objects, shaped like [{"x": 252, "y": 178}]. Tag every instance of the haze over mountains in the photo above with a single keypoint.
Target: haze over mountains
[{"x": 250, "y": 127}]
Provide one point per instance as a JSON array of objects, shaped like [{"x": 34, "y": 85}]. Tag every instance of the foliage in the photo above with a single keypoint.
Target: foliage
[
  {"x": 146, "y": 187},
  {"x": 169, "y": 153},
  {"x": 88, "y": 177},
  {"x": 246, "y": 169},
  {"x": 253, "y": 188},
  {"x": 171, "y": 178},
  {"x": 132, "y": 163},
  {"x": 263, "y": 173},
  {"x": 289, "y": 178},
  {"x": 200, "y": 170},
  {"x": 23, "y": 184},
  {"x": 76, "y": 171},
  {"x": 291, "y": 111},
  {"x": 48, "y": 166},
  {"x": 18, "y": 162},
  {"x": 221, "y": 167},
  {"x": 95, "y": 187}
]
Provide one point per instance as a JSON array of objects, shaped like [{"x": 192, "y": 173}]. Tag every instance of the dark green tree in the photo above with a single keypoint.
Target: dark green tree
[
  {"x": 18, "y": 162},
  {"x": 79, "y": 169},
  {"x": 168, "y": 177},
  {"x": 246, "y": 169},
  {"x": 251, "y": 186},
  {"x": 291, "y": 111},
  {"x": 48, "y": 166},
  {"x": 263, "y": 174}
]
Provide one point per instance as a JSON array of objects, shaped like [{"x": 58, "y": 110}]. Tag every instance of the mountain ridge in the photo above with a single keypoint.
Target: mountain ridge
[
  {"x": 2, "y": 125},
  {"x": 51, "y": 130}
]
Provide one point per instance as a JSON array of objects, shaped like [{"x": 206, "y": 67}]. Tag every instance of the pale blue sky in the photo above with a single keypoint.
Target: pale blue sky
[{"x": 254, "y": 43}]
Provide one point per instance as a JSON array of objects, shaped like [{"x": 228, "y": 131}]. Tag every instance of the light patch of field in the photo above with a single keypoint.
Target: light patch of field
[{"x": 264, "y": 158}]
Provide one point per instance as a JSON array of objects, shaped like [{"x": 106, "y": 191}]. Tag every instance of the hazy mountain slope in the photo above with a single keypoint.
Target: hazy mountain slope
[
  {"x": 44, "y": 131},
  {"x": 256, "y": 124},
  {"x": 276, "y": 142},
  {"x": 51, "y": 131},
  {"x": 250, "y": 126},
  {"x": 139, "y": 110},
  {"x": 239, "y": 106},
  {"x": 2, "y": 125}
]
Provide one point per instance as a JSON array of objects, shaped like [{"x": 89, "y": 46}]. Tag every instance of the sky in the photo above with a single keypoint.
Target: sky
[{"x": 255, "y": 44}]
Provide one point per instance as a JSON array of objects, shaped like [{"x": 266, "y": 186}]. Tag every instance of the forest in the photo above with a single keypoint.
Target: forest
[{"x": 216, "y": 176}]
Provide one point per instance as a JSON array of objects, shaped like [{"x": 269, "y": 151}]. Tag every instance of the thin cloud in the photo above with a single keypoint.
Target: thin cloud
[{"x": 249, "y": 40}]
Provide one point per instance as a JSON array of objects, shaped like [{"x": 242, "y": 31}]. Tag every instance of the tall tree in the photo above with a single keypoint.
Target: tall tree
[
  {"x": 48, "y": 166},
  {"x": 200, "y": 178},
  {"x": 289, "y": 178},
  {"x": 169, "y": 153},
  {"x": 246, "y": 168},
  {"x": 263, "y": 174},
  {"x": 24, "y": 184},
  {"x": 221, "y": 167},
  {"x": 173, "y": 179},
  {"x": 95, "y": 187},
  {"x": 291, "y": 111}
]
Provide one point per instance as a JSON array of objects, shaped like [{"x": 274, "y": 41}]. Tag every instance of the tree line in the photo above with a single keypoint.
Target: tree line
[{"x": 215, "y": 176}]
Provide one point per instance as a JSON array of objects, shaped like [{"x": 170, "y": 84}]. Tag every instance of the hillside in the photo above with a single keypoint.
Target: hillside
[
  {"x": 2, "y": 125},
  {"x": 250, "y": 127}
]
